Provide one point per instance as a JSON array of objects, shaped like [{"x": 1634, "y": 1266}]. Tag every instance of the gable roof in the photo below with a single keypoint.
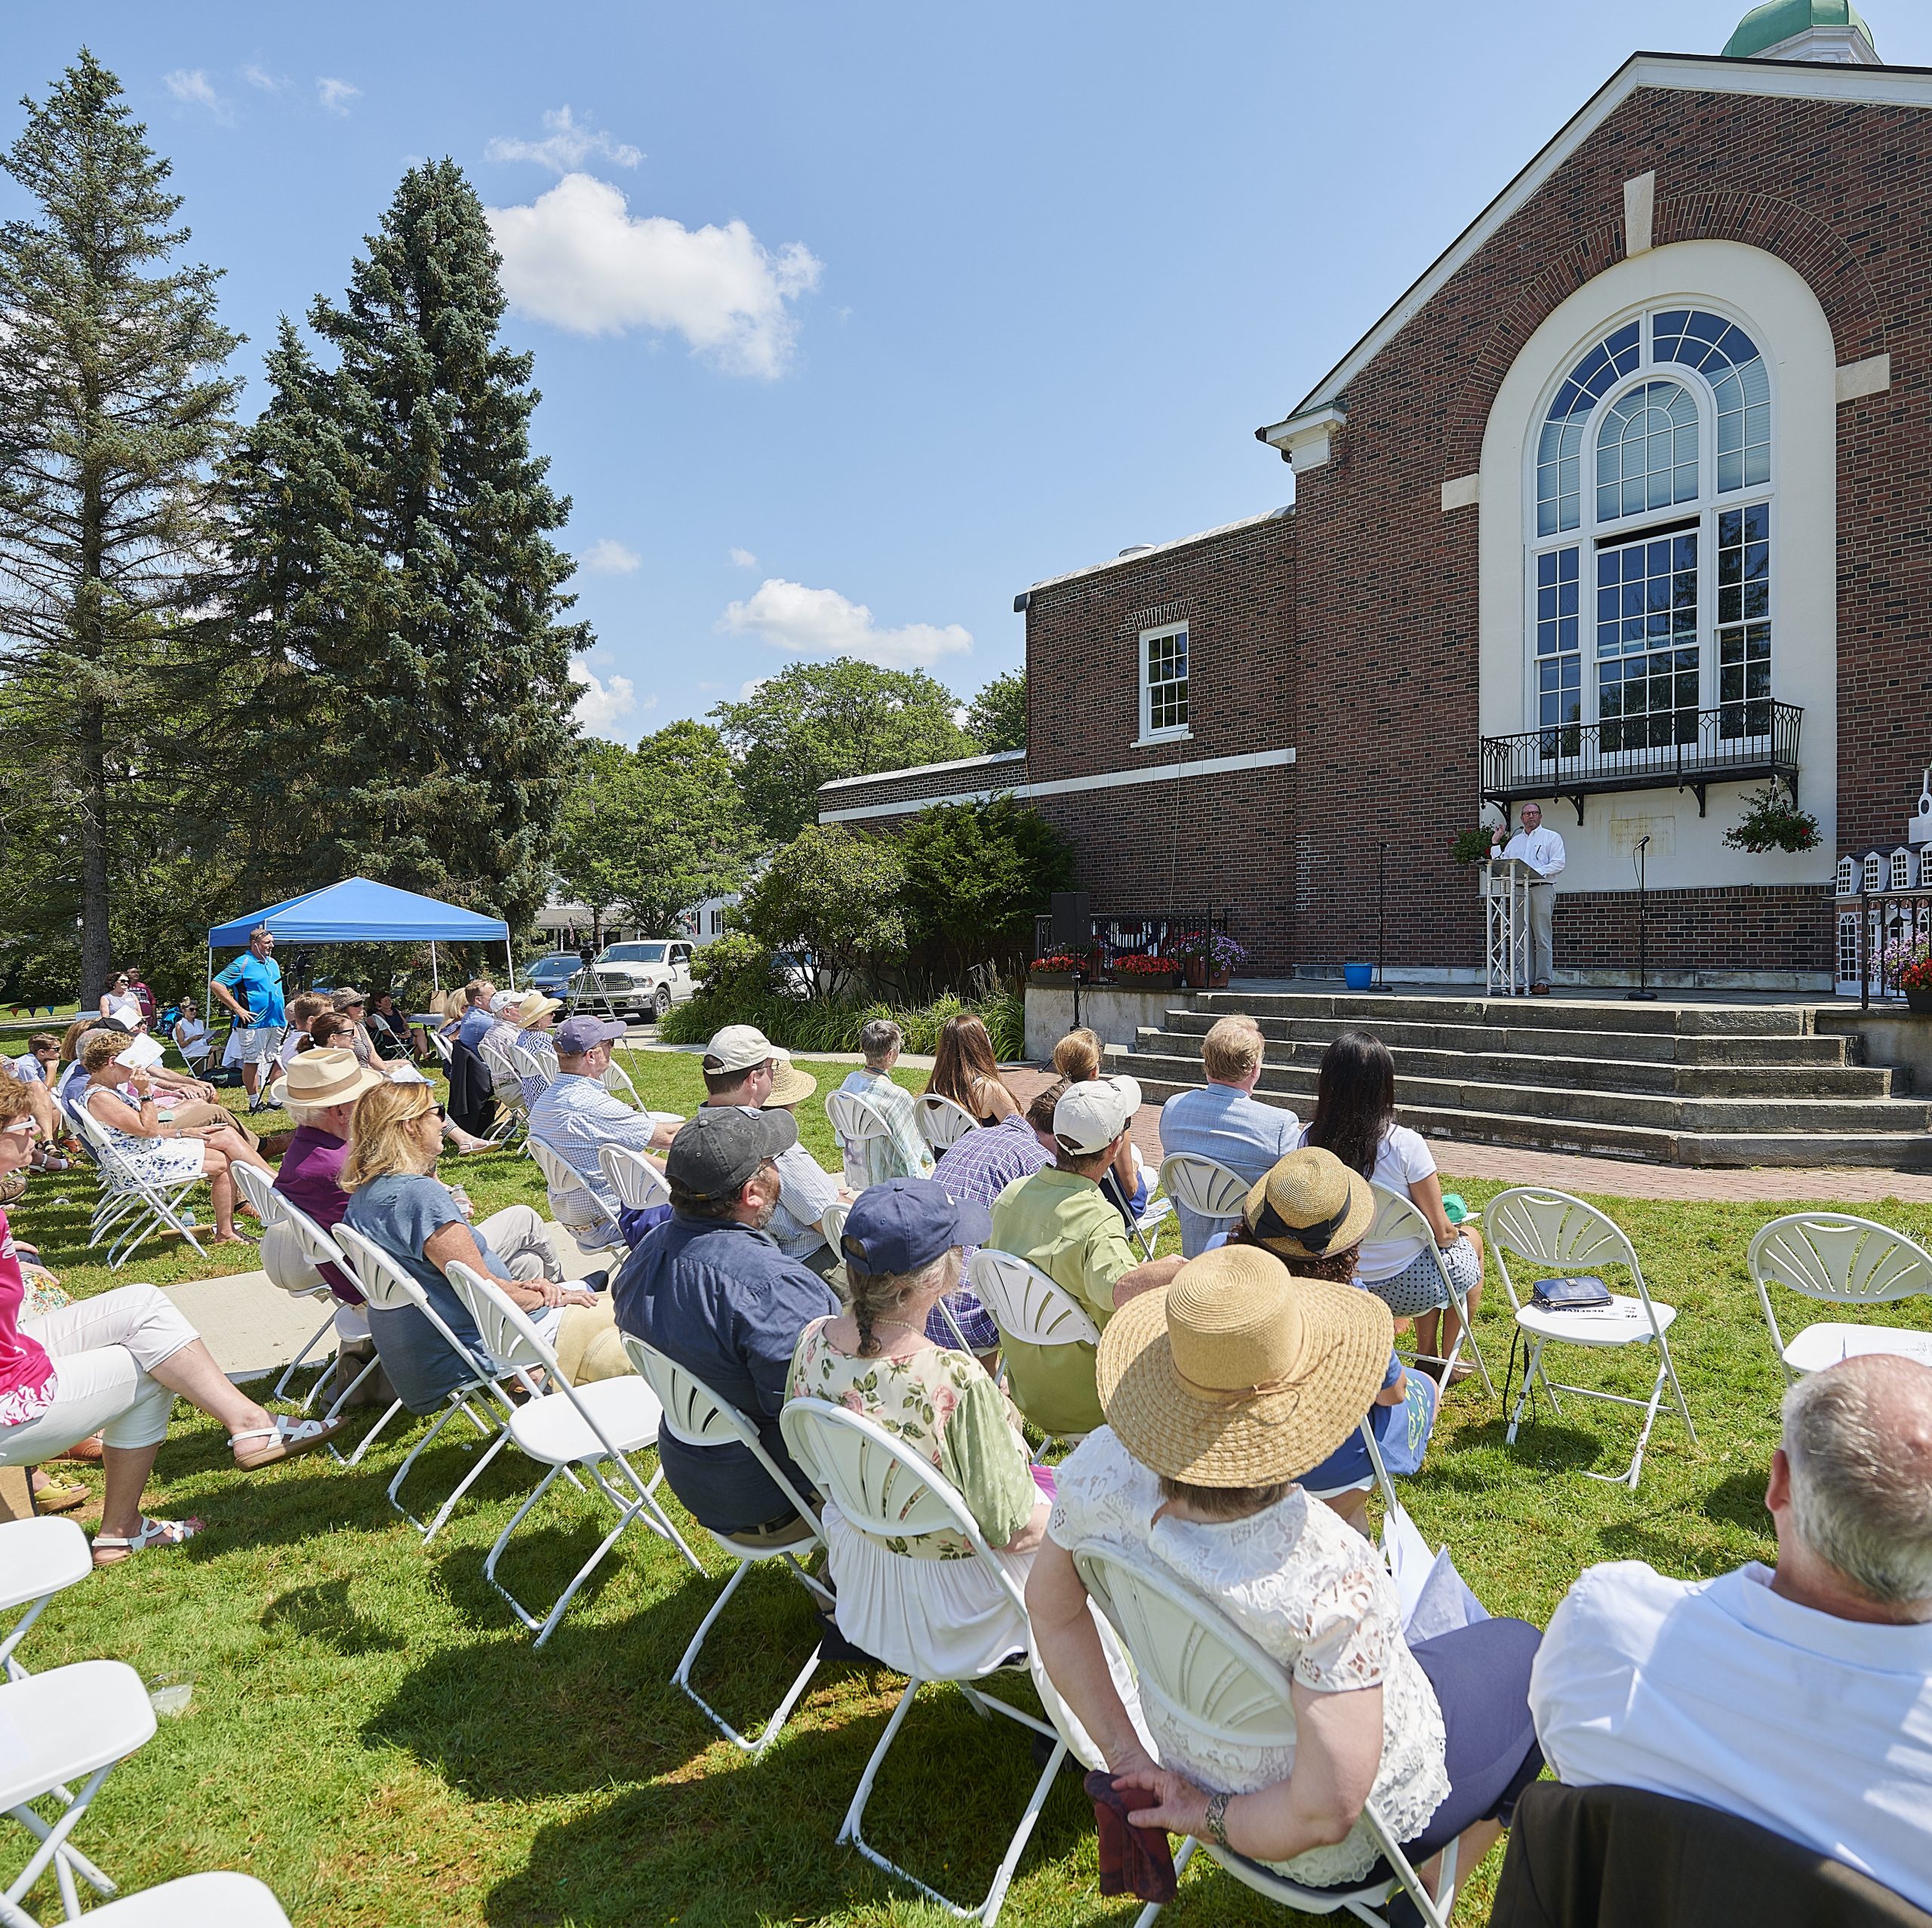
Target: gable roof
[{"x": 1691, "y": 73}]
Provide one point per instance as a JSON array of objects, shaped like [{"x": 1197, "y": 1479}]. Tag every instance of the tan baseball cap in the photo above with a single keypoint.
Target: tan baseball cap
[{"x": 738, "y": 1047}]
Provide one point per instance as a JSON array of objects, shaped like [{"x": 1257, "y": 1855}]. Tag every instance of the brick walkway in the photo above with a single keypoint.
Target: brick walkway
[{"x": 1618, "y": 1178}]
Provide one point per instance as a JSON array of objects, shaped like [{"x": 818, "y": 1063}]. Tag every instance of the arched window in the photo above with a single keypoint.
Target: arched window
[{"x": 1651, "y": 586}]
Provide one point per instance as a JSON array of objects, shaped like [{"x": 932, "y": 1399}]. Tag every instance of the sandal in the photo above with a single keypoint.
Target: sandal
[
  {"x": 285, "y": 1439},
  {"x": 110, "y": 1549},
  {"x": 55, "y": 1496}
]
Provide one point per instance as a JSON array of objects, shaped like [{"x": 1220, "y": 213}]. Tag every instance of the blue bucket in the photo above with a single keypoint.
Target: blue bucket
[{"x": 1358, "y": 977}]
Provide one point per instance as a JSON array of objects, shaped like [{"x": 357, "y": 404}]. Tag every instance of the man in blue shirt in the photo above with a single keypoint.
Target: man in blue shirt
[
  {"x": 260, "y": 1019},
  {"x": 478, "y": 1019},
  {"x": 711, "y": 1290},
  {"x": 1223, "y": 1122}
]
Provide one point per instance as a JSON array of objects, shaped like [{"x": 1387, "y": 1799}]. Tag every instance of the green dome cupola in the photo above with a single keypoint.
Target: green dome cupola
[{"x": 1829, "y": 31}]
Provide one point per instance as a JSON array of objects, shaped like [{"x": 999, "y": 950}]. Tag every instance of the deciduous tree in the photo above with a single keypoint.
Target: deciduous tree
[{"x": 997, "y": 716}]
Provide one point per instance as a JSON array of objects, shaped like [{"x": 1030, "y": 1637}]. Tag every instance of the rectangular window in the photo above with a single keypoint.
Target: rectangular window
[
  {"x": 1559, "y": 658},
  {"x": 1744, "y": 623},
  {"x": 1164, "y": 711},
  {"x": 1647, "y": 642}
]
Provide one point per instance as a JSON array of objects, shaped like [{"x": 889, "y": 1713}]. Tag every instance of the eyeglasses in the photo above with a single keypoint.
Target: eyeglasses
[{"x": 24, "y": 1126}]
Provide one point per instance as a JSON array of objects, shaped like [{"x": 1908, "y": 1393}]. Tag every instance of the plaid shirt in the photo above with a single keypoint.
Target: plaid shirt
[
  {"x": 903, "y": 1152},
  {"x": 980, "y": 1167},
  {"x": 576, "y": 1117}
]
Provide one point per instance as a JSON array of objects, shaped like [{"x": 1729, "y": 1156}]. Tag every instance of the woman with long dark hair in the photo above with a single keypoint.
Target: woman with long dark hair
[
  {"x": 965, "y": 1070},
  {"x": 1355, "y": 1118}
]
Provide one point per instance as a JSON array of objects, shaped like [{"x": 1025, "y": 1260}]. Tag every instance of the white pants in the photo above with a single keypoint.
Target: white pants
[
  {"x": 103, "y": 1349},
  {"x": 519, "y": 1236},
  {"x": 1542, "y": 926}
]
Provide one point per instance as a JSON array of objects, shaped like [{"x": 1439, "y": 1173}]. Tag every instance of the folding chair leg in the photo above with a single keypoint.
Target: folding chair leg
[
  {"x": 294, "y": 1365},
  {"x": 52, "y": 1849},
  {"x": 1683, "y": 1410},
  {"x": 1633, "y": 1472},
  {"x": 443, "y": 1419},
  {"x": 1532, "y": 1373},
  {"x": 496, "y": 1552},
  {"x": 682, "y": 1678},
  {"x": 1151, "y": 1913}
]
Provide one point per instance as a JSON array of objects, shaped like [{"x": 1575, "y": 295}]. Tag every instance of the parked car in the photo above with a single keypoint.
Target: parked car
[
  {"x": 550, "y": 974},
  {"x": 643, "y": 978}
]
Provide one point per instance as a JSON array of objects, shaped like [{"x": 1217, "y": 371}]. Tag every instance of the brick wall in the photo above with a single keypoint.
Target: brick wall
[
  {"x": 970, "y": 777},
  {"x": 1777, "y": 927}
]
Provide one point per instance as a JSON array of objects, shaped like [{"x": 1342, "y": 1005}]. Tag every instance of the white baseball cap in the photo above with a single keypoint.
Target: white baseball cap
[
  {"x": 1090, "y": 1117},
  {"x": 738, "y": 1047}
]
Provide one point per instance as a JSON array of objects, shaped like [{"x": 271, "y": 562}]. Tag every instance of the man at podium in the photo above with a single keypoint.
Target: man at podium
[{"x": 1542, "y": 850}]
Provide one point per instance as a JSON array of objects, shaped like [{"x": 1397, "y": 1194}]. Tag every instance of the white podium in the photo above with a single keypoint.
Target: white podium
[{"x": 1505, "y": 889}]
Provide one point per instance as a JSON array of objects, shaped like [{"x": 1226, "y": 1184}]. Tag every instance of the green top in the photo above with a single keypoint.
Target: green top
[
  {"x": 1063, "y": 1224},
  {"x": 1776, "y": 20}
]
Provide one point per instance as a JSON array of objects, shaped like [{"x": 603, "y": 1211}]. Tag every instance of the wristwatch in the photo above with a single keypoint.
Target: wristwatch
[{"x": 1218, "y": 1818}]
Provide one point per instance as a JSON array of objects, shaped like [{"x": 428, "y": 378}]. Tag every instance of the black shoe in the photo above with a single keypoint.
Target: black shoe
[
  {"x": 834, "y": 1646},
  {"x": 595, "y": 1281}
]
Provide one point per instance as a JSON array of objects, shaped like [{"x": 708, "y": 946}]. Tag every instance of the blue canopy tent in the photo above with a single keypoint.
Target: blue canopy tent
[{"x": 359, "y": 910}]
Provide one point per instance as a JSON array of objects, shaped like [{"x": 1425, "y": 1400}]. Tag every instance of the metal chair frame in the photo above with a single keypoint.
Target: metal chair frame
[
  {"x": 1843, "y": 1261},
  {"x": 139, "y": 1206},
  {"x": 1397, "y": 1215}
]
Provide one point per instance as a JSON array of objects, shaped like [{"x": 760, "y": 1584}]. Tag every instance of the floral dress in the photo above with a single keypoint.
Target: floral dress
[{"x": 153, "y": 1161}]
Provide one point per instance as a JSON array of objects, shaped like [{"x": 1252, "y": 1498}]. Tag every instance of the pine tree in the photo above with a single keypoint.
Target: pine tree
[
  {"x": 113, "y": 408},
  {"x": 397, "y": 590}
]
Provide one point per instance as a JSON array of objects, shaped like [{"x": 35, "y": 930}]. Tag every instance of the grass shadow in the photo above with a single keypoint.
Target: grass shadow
[{"x": 322, "y": 1613}]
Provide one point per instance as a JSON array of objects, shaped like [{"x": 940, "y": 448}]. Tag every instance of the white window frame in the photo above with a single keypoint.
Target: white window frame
[
  {"x": 1172, "y": 733},
  {"x": 1707, "y": 505}
]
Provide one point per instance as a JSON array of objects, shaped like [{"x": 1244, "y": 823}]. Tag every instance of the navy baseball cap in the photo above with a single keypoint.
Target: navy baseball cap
[
  {"x": 576, "y": 1036},
  {"x": 907, "y": 1222}
]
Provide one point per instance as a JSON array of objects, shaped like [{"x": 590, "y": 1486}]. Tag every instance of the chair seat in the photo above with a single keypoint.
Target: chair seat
[
  {"x": 61, "y": 1725},
  {"x": 39, "y": 1557},
  {"x": 763, "y": 1548},
  {"x": 551, "y": 1431},
  {"x": 1825, "y": 1343},
  {"x": 195, "y": 1901},
  {"x": 1620, "y": 1322}
]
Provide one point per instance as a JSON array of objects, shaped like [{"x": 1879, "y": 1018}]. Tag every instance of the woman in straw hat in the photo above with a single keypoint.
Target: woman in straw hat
[
  {"x": 533, "y": 1015},
  {"x": 1220, "y": 1393}
]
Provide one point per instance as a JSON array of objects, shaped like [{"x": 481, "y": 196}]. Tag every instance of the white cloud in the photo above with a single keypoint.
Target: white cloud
[
  {"x": 260, "y": 77},
  {"x": 567, "y": 145},
  {"x": 599, "y": 704},
  {"x": 335, "y": 95},
  {"x": 610, "y": 557},
  {"x": 578, "y": 258},
  {"x": 742, "y": 559},
  {"x": 822, "y": 622},
  {"x": 192, "y": 87}
]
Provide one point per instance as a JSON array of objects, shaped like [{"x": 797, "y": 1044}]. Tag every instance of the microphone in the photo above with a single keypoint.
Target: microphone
[{"x": 1640, "y": 841}]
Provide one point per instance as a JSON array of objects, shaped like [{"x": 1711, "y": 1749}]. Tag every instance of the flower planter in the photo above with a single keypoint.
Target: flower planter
[
  {"x": 1199, "y": 978},
  {"x": 1051, "y": 979},
  {"x": 1919, "y": 1001},
  {"x": 1146, "y": 980}
]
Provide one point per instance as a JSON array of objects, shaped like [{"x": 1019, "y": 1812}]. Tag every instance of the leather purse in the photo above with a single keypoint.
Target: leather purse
[{"x": 1569, "y": 1294}]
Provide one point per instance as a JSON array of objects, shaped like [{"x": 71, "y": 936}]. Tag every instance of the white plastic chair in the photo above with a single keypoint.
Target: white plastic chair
[
  {"x": 1397, "y": 1217},
  {"x": 39, "y": 1558},
  {"x": 832, "y": 1225},
  {"x": 637, "y": 1181},
  {"x": 69, "y": 1724},
  {"x": 1028, "y": 1306},
  {"x": 1552, "y": 1229},
  {"x": 443, "y": 1048},
  {"x": 389, "y": 1288},
  {"x": 857, "y": 1123},
  {"x": 1208, "y": 1189},
  {"x": 529, "y": 1065},
  {"x": 562, "y": 1426},
  {"x": 1199, "y": 1672},
  {"x": 1146, "y": 1228},
  {"x": 884, "y": 1489},
  {"x": 696, "y": 1415},
  {"x": 616, "y": 1080},
  {"x": 512, "y": 1113},
  {"x": 942, "y": 1122},
  {"x": 138, "y": 1206},
  {"x": 258, "y": 1187},
  {"x": 320, "y": 1249},
  {"x": 197, "y": 1900},
  {"x": 1844, "y": 1261},
  {"x": 563, "y": 1181}
]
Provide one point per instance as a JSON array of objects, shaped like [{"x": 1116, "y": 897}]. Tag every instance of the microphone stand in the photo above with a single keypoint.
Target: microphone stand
[
  {"x": 1642, "y": 993},
  {"x": 1381, "y": 919}
]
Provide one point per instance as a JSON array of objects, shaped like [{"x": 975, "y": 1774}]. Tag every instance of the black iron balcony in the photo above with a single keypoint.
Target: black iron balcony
[{"x": 1685, "y": 749}]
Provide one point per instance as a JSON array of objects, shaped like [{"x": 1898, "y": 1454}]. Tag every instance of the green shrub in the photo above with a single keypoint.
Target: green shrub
[{"x": 813, "y": 1024}]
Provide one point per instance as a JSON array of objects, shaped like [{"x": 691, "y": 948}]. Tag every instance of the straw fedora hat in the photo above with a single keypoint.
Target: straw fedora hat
[
  {"x": 327, "y": 1077},
  {"x": 1241, "y": 1374},
  {"x": 532, "y": 1006},
  {"x": 790, "y": 1085},
  {"x": 1308, "y": 1205}
]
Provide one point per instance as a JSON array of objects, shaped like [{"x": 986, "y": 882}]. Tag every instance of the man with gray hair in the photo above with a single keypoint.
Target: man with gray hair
[
  {"x": 1800, "y": 1698},
  {"x": 904, "y": 1152}
]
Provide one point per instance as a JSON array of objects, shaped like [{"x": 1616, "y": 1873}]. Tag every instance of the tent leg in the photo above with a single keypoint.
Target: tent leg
[
  {"x": 509, "y": 966},
  {"x": 435, "y": 982}
]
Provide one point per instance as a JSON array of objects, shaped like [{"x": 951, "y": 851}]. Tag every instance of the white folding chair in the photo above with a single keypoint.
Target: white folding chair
[
  {"x": 1844, "y": 1261},
  {"x": 562, "y": 1426},
  {"x": 941, "y": 1121},
  {"x": 857, "y": 1122},
  {"x": 529, "y": 1065},
  {"x": 197, "y": 1900},
  {"x": 1552, "y": 1229},
  {"x": 1145, "y": 1227},
  {"x": 389, "y": 1288},
  {"x": 1209, "y": 1190},
  {"x": 1028, "y": 1306},
  {"x": 69, "y": 1724},
  {"x": 39, "y": 1558},
  {"x": 1200, "y": 1673},
  {"x": 443, "y": 1048},
  {"x": 832, "y": 1225},
  {"x": 637, "y": 1181},
  {"x": 512, "y": 1113},
  {"x": 884, "y": 1489},
  {"x": 320, "y": 1249},
  {"x": 696, "y": 1415},
  {"x": 258, "y": 1188},
  {"x": 562, "y": 1183},
  {"x": 616, "y": 1080},
  {"x": 1397, "y": 1216},
  {"x": 138, "y": 1206}
]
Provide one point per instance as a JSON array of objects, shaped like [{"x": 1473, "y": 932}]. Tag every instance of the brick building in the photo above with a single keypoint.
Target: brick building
[{"x": 1623, "y": 506}]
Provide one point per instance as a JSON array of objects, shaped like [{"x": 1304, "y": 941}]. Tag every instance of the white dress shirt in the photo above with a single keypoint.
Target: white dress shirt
[
  {"x": 1723, "y": 1692},
  {"x": 1541, "y": 848}
]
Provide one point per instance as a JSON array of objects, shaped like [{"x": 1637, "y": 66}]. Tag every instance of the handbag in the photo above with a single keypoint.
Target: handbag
[{"x": 1569, "y": 1294}]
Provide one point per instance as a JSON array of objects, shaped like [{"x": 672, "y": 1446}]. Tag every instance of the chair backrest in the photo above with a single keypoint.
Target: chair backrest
[
  {"x": 390, "y": 1288},
  {"x": 855, "y": 1119},
  {"x": 638, "y": 1183},
  {"x": 509, "y": 1334},
  {"x": 318, "y": 1246},
  {"x": 1206, "y": 1188},
  {"x": 561, "y": 1178},
  {"x": 697, "y": 1416},
  {"x": 1834, "y": 1256},
  {"x": 527, "y": 1064},
  {"x": 879, "y": 1485},
  {"x": 1552, "y": 1228},
  {"x": 942, "y": 1122},
  {"x": 495, "y": 1055},
  {"x": 1026, "y": 1304},
  {"x": 443, "y": 1048},
  {"x": 120, "y": 1171},
  {"x": 616, "y": 1080},
  {"x": 832, "y": 1225},
  {"x": 257, "y": 1187}
]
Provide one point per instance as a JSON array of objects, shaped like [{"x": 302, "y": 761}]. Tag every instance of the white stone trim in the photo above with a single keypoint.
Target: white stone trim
[
  {"x": 1878, "y": 87},
  {"x": 1463, "y": 491},
  {"x": 1110, "y": 780},
  {"x": 1640, "y": 203},
  {"x": 925, "y": 769},
  {"x": 1873, "y": 375},
  {"x": 1308, "y": 437}
]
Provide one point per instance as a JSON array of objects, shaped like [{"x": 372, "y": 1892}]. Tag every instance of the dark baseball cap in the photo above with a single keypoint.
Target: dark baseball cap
[
  {"x": 576, "y": 1036},
  {"x": 719, "y": 1147},
  {"x": 907, "y": 1222}
]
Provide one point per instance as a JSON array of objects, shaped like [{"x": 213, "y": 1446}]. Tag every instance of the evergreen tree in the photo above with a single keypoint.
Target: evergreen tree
[
  {"x": 112, "y": 407},
  {"x": 997, "y": 716},
  {"x": 399, "y": 596}
]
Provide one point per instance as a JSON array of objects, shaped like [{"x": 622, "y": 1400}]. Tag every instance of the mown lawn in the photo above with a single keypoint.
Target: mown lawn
[{"x": 373, "y": 1736}]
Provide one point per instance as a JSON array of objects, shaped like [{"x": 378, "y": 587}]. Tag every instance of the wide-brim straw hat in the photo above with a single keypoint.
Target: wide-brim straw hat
[
  {"x": 534, "y": 1005},
  {"x": 1241, "y": 1374},
  {"x": 329, "y": 1076},
  {"x": 1308, "y": 1204},
  {"x": 790, "y": 1085}
]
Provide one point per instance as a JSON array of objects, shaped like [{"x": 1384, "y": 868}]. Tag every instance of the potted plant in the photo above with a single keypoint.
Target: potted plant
[
  {"x": 1772, "y": 821},
  {"x": 1057, "y": 967},
  {"x": 1914, "y": 979},
  {"x": 1148, "y": 973},
  {"x": 1211, "y": 956},
  {"x": 1470, "y": 846}
]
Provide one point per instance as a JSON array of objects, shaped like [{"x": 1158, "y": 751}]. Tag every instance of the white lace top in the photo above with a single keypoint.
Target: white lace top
[{"x": 1310, "y": 1591}]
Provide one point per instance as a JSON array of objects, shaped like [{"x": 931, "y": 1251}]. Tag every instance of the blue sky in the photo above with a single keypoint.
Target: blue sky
[{"x": 853, "y": 320}]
